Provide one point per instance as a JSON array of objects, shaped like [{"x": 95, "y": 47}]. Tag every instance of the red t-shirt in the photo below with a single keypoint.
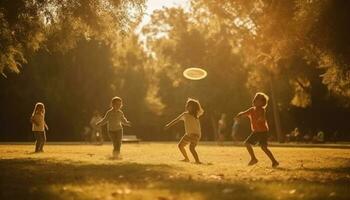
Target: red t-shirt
[{"x": 258, "y": 122}]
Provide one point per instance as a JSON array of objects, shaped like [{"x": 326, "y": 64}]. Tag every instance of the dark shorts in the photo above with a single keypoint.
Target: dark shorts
[
  {"x": 190, "y": 139},
  {"x": 256, "y": 137}
]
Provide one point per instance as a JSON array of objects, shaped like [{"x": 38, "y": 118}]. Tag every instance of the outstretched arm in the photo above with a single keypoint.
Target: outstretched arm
[
  {"x": 104, "y": 119},
  {"x": 174, "y": 121},
  {"x": 243, "y": 113}
]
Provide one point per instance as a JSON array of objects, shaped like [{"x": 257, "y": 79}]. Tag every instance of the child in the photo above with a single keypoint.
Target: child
[
  {"x": 115, "y": 120},
  {"x": 235, "y": 128},
  {"x": 96, "y": 130},
  {"x": 221, "y": 129},
  {"x": 192, "y": 128},
  {"x": 38, "y": 126},
  {"x": 259, "y": 128}
]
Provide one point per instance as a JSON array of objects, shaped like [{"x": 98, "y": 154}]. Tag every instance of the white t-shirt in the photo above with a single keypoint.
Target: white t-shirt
[
  {"x": 38, "y": 122},
  {"x": 192, "y": 124},
  {"x": 114, "y": 119}
]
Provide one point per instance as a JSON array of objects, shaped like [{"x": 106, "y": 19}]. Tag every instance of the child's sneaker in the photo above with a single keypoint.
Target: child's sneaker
[{"x": 252, "y": 162}]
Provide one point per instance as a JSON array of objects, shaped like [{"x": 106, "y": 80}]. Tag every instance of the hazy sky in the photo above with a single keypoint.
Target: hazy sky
[
  {"x": 158, "y": 4},
  {"x": 152, "y": 5}
]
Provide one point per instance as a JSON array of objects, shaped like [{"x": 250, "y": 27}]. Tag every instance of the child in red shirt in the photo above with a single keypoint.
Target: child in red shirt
[{"x": 259, "y": 127}]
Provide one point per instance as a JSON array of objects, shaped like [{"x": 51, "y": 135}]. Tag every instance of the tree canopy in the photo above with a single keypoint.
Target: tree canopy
[
  {"x": 77, "y": 54},
  {"x": 58, "y": 25},
  {"x": 275, "y": 33}
]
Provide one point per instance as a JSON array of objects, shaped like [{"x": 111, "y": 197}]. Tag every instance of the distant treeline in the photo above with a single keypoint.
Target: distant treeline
[{"x": 74, "y": 57}]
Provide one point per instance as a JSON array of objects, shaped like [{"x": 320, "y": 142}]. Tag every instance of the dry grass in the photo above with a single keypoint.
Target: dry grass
[{"x": 152, "y": 171}]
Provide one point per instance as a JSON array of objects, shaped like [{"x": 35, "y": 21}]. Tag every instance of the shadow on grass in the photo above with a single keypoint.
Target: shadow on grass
[
  {"x": 333, "y": 170},
  {"x": 31, "y": 179}
]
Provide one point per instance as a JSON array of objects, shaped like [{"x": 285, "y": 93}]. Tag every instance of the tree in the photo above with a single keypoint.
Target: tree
[
  {"x": 56, "y": 25},
  {"x": 276, "y": 33},
  {"x": 178, "y": 40}
]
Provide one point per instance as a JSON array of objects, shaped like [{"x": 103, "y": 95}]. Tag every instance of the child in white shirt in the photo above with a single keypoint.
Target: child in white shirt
[
  {"x": 39, "y": 126},
  {"x": 193, "y": 111},
  {"x": 115, "y": 119}
]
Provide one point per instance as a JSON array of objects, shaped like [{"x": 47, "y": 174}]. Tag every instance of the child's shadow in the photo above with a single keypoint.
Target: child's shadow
[
  {"x": 283, "y": 169},
  {"x": 32, "y": 152}
]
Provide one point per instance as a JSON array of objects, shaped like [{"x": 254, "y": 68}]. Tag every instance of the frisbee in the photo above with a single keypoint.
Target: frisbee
[{"x": 195, "y": 73}]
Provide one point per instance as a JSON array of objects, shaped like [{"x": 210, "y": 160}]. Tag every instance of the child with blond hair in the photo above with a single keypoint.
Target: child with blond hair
[
  {"x": 39, "y": 126},
  {"x": 193, "y": 111}
]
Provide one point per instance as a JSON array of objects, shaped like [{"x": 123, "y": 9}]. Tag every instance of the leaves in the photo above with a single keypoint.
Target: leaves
[{"x": 28, "y": 26}]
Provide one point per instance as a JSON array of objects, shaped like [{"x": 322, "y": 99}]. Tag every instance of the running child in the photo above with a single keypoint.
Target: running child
[
  {"x": 39, "y": 126},
  {"x": 193, "y": 111},
  {"x": 115, "y": 119},
  {"x": 259, "y": 126}
]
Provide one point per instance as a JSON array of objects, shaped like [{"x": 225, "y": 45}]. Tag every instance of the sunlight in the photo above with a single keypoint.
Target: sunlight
[
  {"x": 174, "y": 99},
  {"x": 152, "y": 5},
  {"x": 159, "y": 4}
]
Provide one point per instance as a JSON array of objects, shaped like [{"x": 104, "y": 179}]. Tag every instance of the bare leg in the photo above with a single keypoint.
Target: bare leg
[
  {"x": 37, "y": 141},
  {"x": 270, "y": 155},
  {"x": 116, "y": 138},
  {"x": 251, "y": 153},
  {"x": 181, "y": 146},
  {"x": 194, "y": 153},
  {"x": 43, "y": 141}
]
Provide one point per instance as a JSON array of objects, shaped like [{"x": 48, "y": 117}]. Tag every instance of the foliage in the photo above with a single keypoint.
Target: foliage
[
  {"x": 58, "y": 25},
  {"x": 77, "y": 54},
  {"x": 177, "y": 40},
  {"x": 273, "y": 32}
]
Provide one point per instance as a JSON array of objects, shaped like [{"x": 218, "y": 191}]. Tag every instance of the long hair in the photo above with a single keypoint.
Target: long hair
[
  {"x": 197, "y": 110},
  {"x": 37, "y": 106}
]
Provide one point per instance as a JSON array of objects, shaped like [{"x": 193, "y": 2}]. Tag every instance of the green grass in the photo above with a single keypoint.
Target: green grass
[{"x": 152, "y": 171}]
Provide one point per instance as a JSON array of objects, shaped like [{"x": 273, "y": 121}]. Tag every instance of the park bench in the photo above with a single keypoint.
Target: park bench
[{"x": 130, "y": 139}]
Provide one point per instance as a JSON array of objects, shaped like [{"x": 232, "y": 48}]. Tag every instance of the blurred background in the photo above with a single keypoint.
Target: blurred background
[{"x": 74, "y": 56}]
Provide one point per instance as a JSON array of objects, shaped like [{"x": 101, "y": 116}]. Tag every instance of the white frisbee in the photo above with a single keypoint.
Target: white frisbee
[{"x": 195, "y": 73}]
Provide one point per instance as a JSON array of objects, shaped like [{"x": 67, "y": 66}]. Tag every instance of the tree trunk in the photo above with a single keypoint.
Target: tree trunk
[{"x": 276, "y": 115}]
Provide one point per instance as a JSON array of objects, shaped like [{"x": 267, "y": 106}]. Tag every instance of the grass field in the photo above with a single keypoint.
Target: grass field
[{"x": 152, "y": 171}]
